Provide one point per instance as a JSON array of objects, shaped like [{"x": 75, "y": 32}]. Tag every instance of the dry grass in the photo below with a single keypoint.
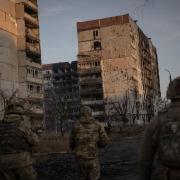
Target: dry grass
[
  {"x": 59, "y": 144},
  {"x": 52, "y": 144}
]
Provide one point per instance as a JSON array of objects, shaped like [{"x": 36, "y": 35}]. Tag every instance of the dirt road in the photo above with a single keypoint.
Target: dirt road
[{"x": 120, "y": 159}]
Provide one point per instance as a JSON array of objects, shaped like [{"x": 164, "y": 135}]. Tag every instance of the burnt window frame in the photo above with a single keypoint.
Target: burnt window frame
[{"x": 97, "y": 45}]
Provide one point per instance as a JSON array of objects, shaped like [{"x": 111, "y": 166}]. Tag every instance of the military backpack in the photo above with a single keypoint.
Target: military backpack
[
  {"x": 169, "y": 142},
  {"x": 12, "y": 139}
]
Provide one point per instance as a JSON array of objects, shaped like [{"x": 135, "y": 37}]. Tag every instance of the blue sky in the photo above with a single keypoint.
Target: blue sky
[{"x": 159, "y": 19}]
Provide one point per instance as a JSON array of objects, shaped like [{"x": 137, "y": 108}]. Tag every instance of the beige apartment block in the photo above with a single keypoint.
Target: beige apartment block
[
  {"x": 115, "y": 58},
  {"x": 20, "y": 53},
  {"x": 8, "y": 46}
]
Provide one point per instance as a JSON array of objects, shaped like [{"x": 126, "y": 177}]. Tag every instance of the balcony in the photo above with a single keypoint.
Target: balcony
[
  {"x": 31, "y": 5},
  {"x": 148, "y": 67},
  {"x": 89, "y": 70},
  {"x": 135, "y": 78},
  {"x": 91, "y": 81},
  {"x": 33, "y": 49},
  {"x": 34, "y": 80},
  {"x": 134, "y": 56},
  {"x": 31, "y": 35},
  {"x": 48, "y": 76},
  {"x": 133, "y": 45},
  {"x": 91, "y": 91},
  {"x": 94, "y": 102},
  {"x": 149, "y": 77},
  {"x": 34, "y": 96},
  {"x": 31, "y": 20}
]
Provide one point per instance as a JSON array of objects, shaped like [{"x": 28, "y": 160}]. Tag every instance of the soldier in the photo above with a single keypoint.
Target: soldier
[
  {"x": 86, "y": 137},
  {"x": 16, "y": 142},
  {"x": 160, "y": 153}
]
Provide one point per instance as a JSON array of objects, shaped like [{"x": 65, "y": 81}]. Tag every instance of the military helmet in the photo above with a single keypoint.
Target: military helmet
[
  {"x": 173, "y": 91},
  {"x": 15, "y": 108},
  {"x": 86, "y": 110}
]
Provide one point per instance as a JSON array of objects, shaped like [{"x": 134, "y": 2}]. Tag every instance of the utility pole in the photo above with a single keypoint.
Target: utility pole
[
  {"x": 0, "y": 80},
  {"x": 170, "y": 78}
]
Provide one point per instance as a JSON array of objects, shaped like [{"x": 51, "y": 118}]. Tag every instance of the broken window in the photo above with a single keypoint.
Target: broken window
[
  {"x": 36, "y": 73},
  {"x": 97, "y": 45},
  {"x": 30, "y": 87},
  {"x": 95, "y": 34},
  {"x": 38, "y": 89}
]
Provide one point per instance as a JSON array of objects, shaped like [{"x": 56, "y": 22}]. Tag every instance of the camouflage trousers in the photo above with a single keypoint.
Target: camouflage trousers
[
  {"x": 23, "y": 173},
  {"x": 88, "y": 169},
  {"x": 17, "y": 167}
]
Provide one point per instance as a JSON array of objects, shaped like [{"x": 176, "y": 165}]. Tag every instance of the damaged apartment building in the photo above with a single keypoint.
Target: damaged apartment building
[
  {"x": 116, "y": 59},
  {"x": 61, "y": 86},
  {"x": 20, "y": 54}
]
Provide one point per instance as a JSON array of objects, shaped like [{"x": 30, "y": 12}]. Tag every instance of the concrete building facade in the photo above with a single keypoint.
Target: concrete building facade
[
  {"x": 20, "y": 57},
  {"x": 61, "y": 82},
  {"x": 115, "y": 58}
]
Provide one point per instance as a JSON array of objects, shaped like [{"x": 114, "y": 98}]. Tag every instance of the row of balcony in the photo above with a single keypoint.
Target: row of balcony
[
  {"x": 31, "y": 5},
  {"x": 89, "y": 70},
  {"x": 31, "y": 20}
]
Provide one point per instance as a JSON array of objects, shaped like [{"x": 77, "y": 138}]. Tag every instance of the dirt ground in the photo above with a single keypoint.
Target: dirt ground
[{"x": 119, "y": 161}]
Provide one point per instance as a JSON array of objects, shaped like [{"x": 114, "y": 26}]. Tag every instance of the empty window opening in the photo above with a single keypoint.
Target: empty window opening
[
  {"x": 97, "y": 45},
  {"x": 30, "y": 87},
  {"x": 38, "y": 89},
  {"x": 95, "y": 33}
]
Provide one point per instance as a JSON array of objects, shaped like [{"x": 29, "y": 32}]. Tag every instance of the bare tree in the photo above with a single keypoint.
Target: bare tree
[
  {"x": 134, "y": 111},
  {"x": 121, "y": 108},
  {"x": 149, "y": 104},
  {"x": 108, "y": 114},
  {"x": 58, "y": 105}
]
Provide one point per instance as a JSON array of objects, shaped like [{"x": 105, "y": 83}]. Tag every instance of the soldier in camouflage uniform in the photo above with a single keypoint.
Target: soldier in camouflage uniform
[
  {"x": 86, "y": 137},
  {"x": 160, "y": 153},
  {"x": 16, "y": 142}
]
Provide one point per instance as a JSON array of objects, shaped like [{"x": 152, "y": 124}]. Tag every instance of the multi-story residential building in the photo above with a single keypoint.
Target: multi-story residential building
[
  {"x": 8, "y": 46},
  {"x": 47, "y": 76},
  {"x": 61, "y": 80},
  {"x": 20, "y": 60},
  {"x": 116, "y": 59}
]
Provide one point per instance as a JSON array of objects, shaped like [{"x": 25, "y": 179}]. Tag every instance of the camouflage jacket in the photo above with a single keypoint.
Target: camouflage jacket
[
  {"x": 16, "y": 135},
  {"x": 150, "y": 165},
  {"x": 16, "y": 142},
  {"x": 86, "y": 137}
]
